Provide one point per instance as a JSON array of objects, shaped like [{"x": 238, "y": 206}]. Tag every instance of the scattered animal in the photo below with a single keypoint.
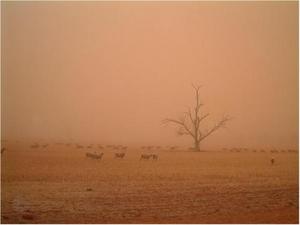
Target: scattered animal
[
  {"x": 149, "y": 156},
  {"x": 154, "y": 157},
  {"x": 120, "y": 155},
  {"x": 145, "y": 157},
  {"x": 94, "y": 155},
  {"x": 35, "y": 146},
  {"x": 272, "y": 161}
]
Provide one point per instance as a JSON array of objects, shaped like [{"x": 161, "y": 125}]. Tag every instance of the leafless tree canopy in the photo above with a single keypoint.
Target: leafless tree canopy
[{"x": 190, "y": 122}]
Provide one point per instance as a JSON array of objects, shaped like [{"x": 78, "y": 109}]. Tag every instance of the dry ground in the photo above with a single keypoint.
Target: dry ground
[{"x": 50, "y": 185}]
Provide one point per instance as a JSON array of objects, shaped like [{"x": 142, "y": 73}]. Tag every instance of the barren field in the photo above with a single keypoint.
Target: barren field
[{"x": 59, "y": 184}]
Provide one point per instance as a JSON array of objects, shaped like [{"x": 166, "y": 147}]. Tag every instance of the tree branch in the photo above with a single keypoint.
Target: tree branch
[
  {"x": 198, "y": 104},
  {"x": 182, "y": 131},
  {"x": 202, "y": 118},
  {"x": 189, "y": 113},
  {"x": 181, "y": 123},
  {"x": 220, "y": 124}
]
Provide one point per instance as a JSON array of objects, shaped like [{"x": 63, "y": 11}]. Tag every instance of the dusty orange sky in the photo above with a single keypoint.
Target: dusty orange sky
[{"x": 109, "y": 72}]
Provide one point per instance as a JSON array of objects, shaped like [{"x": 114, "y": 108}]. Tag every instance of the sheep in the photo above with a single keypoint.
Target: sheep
[
  {"x": 94, "y": 155},
  {"x": 35, "y": 146},
  {"x": 120, "y": 155},
  {"x": 272, "y": 161},
  {"x": 154, "y": 157},
  {"x": 145, "y": 156},
  {"x": 149, "y": 156}
]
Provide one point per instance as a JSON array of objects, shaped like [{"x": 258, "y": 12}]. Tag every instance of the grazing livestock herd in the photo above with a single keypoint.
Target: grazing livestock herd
[
  {"x": 149, "y": 156},
  {"x": 260, "y": 150},
  {"x": 121, "y": 156},
  {"x": 94, "y": 155},
  {"x": 146, "y": 156}
]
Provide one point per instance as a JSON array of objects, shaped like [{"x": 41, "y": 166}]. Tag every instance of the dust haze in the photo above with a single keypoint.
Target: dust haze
[
  {"x": 149, "y": 112},
  {"x": 110, "y": 72}
]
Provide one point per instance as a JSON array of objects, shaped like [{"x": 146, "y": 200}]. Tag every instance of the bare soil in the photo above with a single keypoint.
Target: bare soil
[{"x": 59, "y": 184}]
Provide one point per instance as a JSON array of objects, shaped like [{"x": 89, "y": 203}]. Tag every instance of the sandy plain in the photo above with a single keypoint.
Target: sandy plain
[{"x": 59, "y": 184}]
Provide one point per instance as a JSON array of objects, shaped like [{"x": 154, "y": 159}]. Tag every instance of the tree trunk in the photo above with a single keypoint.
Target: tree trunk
[{"x": 197, "y": 145}]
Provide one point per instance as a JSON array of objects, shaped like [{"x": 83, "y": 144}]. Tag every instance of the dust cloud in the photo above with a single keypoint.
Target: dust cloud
[{"x": 110, "y": 72}]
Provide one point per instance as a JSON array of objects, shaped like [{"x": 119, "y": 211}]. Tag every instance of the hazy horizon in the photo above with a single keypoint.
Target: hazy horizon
[{"x": 110, "y": 72}]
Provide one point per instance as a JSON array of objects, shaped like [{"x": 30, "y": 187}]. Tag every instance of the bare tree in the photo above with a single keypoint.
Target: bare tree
[{"x": 189, "y": 123}]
